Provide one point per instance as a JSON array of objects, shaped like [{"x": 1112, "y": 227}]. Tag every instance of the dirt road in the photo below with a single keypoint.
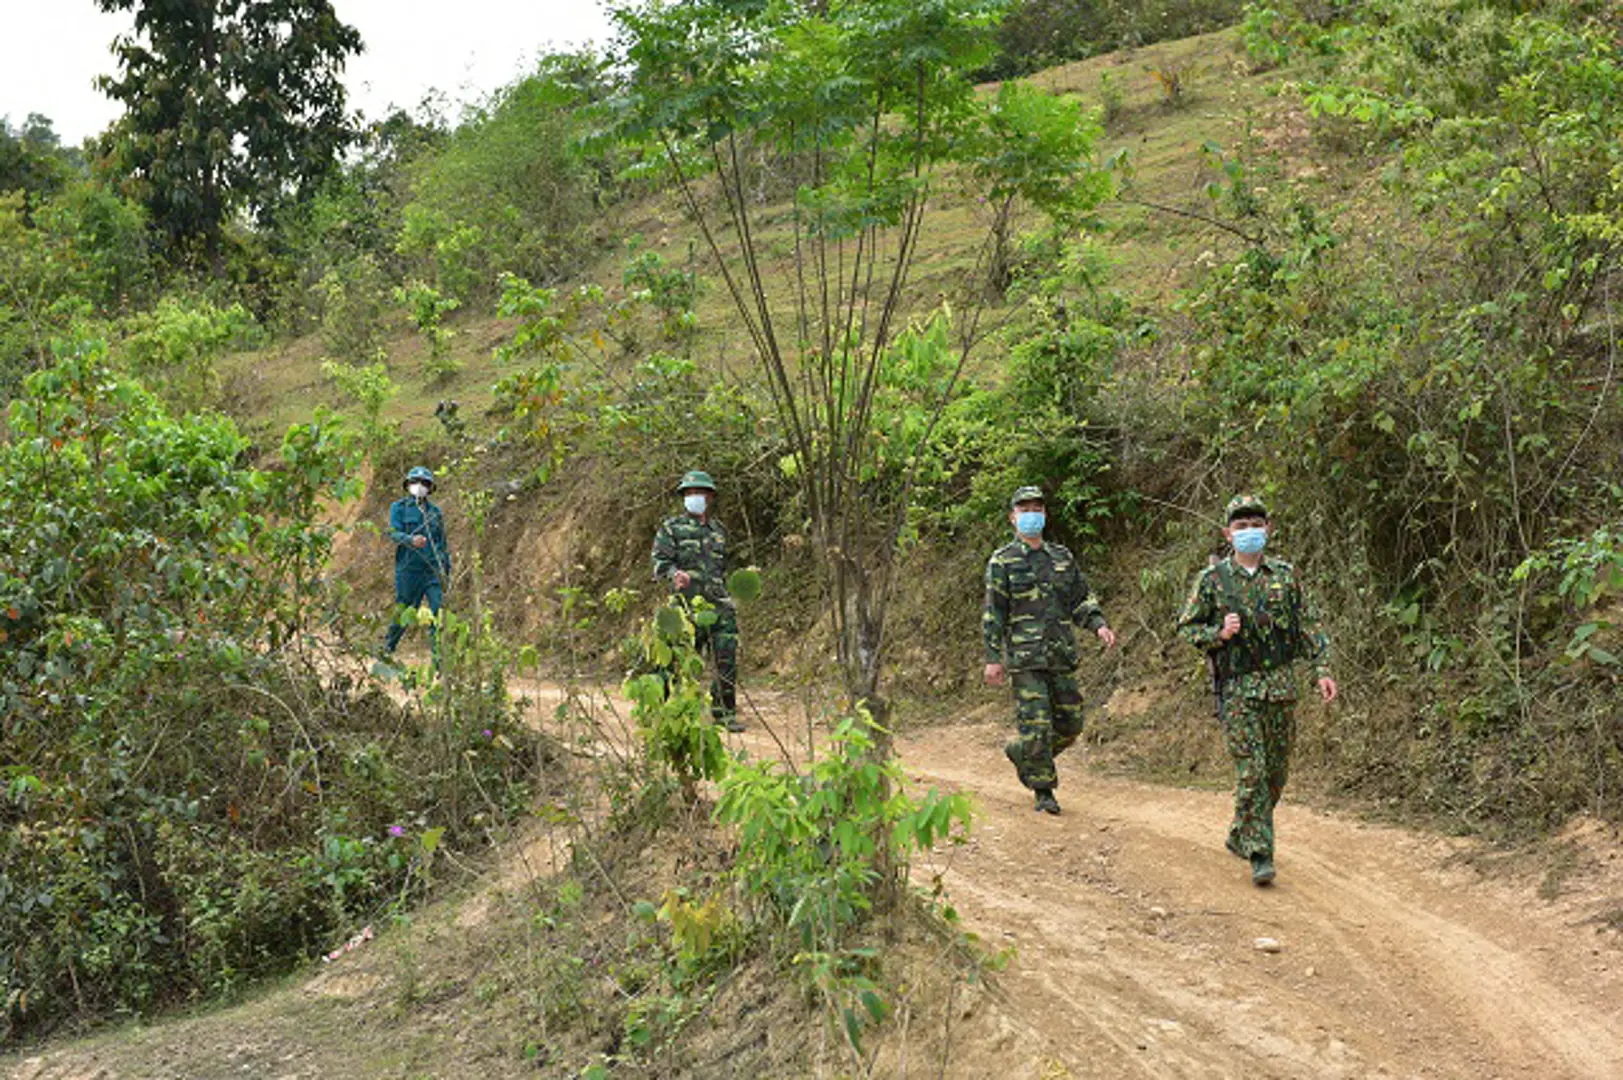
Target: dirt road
[{"x": 1136, "y": 939}]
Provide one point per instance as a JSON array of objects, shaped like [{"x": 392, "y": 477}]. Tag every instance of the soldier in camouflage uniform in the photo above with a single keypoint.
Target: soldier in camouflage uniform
[
  {"x": 1249, "y": 614},
  {"x": 690, "y": 552},
  {"x": 1035, "y": 598}
]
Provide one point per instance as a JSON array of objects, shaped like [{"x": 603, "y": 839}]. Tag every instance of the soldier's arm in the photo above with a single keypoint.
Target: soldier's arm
[
  {"x": 664, "y": 553},
  {"x": 1315, "y": 643},
  {"x": 1087, "y": 613},
  {"x": 1200, "y": 620},
  {"x": 397, "y": 526},
  {"x": 995, "y": 612}
]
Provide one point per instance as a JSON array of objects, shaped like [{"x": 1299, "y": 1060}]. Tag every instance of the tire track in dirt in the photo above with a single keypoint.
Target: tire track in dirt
[{"x": 1135, "y": 933}]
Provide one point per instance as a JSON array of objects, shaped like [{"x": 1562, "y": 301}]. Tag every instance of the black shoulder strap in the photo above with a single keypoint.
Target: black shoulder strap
[{"x": 1225, "y": 579}]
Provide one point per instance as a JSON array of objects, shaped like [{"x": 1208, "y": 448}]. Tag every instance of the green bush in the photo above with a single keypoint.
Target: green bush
[
  {"x": 509, "y": 190},
  {"x": 428, "y": 309},
  {"x": 1427, "y": 415},
  {"x": 174, "y": 347},
  {"x": 188, "y": 798},
  {"x": 353, "y": 300}
]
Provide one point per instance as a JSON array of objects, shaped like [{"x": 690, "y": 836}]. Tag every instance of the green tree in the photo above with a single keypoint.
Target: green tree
[
  {"x": 231, "y": 105},
  {"x": 865, "y": 107},
  {"x": 32, "y": 159}
]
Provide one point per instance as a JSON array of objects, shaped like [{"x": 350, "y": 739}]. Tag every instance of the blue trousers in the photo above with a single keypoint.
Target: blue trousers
[{"x": 409, "y": 591}]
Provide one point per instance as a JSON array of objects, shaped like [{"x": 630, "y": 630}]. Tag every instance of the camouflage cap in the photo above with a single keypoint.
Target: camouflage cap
[
  {"x": 1243, "y": 504},
  {"x": 696, "y": 480},
  {"x": 1028, "y": 493}
]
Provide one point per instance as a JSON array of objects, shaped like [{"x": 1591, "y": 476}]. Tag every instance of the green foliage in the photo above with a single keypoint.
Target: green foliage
[
  {"x": 188, "y": 800},
  {"x": 1027, "y": 153},
  {"x": 510, "y": 189},
  {"x": 672, "y": 291},
  {"x": 77, "y": 258},
  {"x": 369, "y": 387},
  {"x": 352, "y": 298},
  {"x": 230, "y": 106},
  {"x": 671, "y": 707},
  {"x": 1588, "y": 572},
  {"x": 427, "y": 309},
  {"x": 815, "y": 851},
  {"x": 32, "y": 159},
  {"x": 1112, "y": 99},
  {"x": 174, "y": 347},
  {"x": 553, "y": 339},
  {"x": 1266, "y": 34},
  {"x": 1427, "y": 411},
  {"x": 1040, "y": 424}
]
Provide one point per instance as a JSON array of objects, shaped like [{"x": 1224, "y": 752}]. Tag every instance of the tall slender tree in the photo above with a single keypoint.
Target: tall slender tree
[{"x": 230, "y": 106}]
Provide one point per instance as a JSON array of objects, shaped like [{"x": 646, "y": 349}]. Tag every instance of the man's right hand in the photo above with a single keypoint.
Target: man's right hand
[
  {"x": 994, "y": 674},
  {"x": 419, "y": 541},
  {"x": 1231, "y": 626},
  {"x": 680, "y": 579}
]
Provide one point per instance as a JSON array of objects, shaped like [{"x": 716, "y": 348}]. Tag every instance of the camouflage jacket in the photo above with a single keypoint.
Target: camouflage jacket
[
  {"x": 1035, "y": 599},
  {"x": 1278, "y": 625},
  {"x": 699, "y": 547}
]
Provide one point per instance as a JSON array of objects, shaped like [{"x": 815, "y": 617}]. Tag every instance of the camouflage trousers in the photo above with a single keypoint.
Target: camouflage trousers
[
  {"x": 1258, "y": 736},
  {"x": 1048, "y": 707},
  {"x": 720, "y": 640}
]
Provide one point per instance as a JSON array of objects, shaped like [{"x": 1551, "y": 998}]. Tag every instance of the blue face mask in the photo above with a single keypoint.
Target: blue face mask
[
  {"x": 694, "y": 503},
  {"x": 1030, "y": 522},
  {"x": 1250, "y": 541}
]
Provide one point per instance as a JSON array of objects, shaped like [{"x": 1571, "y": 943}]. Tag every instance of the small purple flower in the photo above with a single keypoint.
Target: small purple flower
[
  {"x": 487, "y": 733},
  {"x": 396, "y": 830}
]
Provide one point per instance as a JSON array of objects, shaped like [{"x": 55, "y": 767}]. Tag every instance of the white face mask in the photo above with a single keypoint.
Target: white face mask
[
  {"x": 695, "y": 502},
  {"x": 417, "y": 491}
]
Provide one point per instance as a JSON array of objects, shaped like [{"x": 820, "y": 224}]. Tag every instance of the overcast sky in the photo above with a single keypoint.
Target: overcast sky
[{"x": 52, "y": 50}]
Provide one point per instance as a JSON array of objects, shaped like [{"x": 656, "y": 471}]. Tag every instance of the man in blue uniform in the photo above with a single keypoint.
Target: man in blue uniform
[{"x": 422, "y": 557}]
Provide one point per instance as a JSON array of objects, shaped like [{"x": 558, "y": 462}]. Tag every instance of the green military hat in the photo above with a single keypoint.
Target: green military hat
[
  {"x": 1028, "y": 493},
  {"x": 696, "y": 480},
  {"x": 1243, "y": 504}
]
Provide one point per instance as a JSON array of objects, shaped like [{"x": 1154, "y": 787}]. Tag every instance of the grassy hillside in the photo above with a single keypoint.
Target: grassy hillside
[{"x": 1374, "y": 289}]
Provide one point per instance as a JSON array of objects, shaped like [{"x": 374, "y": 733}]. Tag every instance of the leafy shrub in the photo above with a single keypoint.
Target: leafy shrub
[
  {"x": 353, "y": 299},
  {"x": 78, "y": 258},
  {"x": 174, "y": 347},
  {"x": 509, "y": 190},
  {"x": 371, "y": 389},
  {"x": 671, "y": 290},
  {"x": 187, "y": 799},
  {"x": 427, "y": 309}
]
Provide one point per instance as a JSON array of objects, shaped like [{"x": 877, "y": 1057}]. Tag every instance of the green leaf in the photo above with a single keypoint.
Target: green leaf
[
  {"x": 1601, "y": 656},
  {"x": 705, "y": 618},
  {"x": 670, "y": 622},
  {"x": 430, "y": 839},
  {"x": 874, "y": 1004},
  {"x": 744, "y": 585},
  {"x": 853, "y": 1028}
]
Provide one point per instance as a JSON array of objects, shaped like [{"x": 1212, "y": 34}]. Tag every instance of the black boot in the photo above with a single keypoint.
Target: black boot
[{"x": 1046, "y": 801}]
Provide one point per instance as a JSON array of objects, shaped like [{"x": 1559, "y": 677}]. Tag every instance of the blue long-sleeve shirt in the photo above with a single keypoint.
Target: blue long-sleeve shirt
[{"x": 409, "y": 518}]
